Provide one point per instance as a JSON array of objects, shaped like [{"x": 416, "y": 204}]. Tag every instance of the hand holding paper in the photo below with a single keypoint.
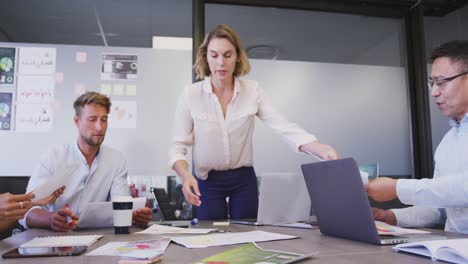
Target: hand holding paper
[
  {"x": 50, "y": 199},
  {"x": 53, "y": 184}
]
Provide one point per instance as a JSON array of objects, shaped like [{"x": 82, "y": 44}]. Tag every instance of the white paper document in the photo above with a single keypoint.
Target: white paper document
[
  {"x": 53, "y": 183},
  {"x": 140, "y": 247},
  {"x": 228, "y": 239},
  {"x": 391, "y": 230},
  {"x": 99, "y": 214},
  {"x": 96, "y": 215},
  {"x": 298, "y": 225},
  {"x": 139, "y": 202},
  {"x": 162, "y": 229},
  {"x": 61, "y": 241}
]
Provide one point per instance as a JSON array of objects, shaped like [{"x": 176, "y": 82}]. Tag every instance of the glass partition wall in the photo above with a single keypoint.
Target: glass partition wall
[
  {"x": 341, "y": 77},
  {"x": 453, "y": 26}
]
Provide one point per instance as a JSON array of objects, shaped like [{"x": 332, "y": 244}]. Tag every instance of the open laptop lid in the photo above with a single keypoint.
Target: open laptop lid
[
  {"x": 340, "y": 201},
  {"x": 166, "y": 209},
  {"x": 283, "y": 199}
]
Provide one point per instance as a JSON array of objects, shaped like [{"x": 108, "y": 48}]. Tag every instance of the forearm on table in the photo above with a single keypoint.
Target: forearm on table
[{"x": 38, "y": 218}]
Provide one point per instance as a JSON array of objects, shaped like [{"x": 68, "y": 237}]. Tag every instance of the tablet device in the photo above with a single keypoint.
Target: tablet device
[{"x": 44, "y": 252}]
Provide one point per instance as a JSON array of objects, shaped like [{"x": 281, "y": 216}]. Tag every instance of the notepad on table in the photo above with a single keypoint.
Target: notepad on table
[
  {"x": 61, "y": 241},
  {"x": 449, "y": 250}
]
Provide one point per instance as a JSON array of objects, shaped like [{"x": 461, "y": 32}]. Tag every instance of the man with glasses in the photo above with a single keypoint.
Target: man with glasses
[{"x": 443, "y": 199}]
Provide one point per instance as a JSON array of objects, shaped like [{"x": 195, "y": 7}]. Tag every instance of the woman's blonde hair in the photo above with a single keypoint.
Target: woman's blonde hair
[{"x": 221, "y": 31}]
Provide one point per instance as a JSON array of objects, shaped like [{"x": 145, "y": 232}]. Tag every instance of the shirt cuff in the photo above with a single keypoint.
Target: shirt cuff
[
  {"x": 417, "y": 216},
  {"x": 406, "y": 190},
  {"x": 304, "y": 140},
  {"x": 403, "y": 218},
  {"x": 23, "y": 221}
]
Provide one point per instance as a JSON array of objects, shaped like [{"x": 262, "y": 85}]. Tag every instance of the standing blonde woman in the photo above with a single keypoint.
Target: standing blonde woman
[{"x": 216, "y": 118}]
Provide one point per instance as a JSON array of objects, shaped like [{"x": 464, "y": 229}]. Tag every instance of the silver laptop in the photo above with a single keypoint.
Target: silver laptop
[
  {"x": 341, "y": 204},
  {"x": 283, "y": 199}
]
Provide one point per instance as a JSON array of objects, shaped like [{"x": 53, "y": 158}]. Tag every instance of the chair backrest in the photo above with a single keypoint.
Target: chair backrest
[{"x": 13, "y": 184}]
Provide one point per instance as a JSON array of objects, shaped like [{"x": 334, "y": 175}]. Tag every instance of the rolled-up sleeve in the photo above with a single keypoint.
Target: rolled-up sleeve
[
  {"x": 182, "y": 132},
  {"x": 440, "y": 192},
  {"x": 291, "y": 132}
]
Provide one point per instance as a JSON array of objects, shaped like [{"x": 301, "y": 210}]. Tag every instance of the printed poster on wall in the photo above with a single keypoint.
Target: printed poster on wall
[
  {"x": 5, "y": 110},
  {"x": 7, "y": 65},
  {"x": 34, "y": 117},
  {"x": 36, "y": 60},
  {"x": 119, "y": 67},
  {"x": 38, "y": 89},
  {"x": 123, "y": 114}
]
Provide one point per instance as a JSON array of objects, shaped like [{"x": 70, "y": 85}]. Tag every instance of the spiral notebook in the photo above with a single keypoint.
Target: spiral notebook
[{"x": 61, "y": 241}]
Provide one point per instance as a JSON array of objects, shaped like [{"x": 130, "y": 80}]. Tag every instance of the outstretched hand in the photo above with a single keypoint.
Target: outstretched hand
[
  {"x": 51, "y": 198},
  {"x": 322, "y": 151},
  {"x": 382, "y": 189},
  {"x": 191, "y": 191}
]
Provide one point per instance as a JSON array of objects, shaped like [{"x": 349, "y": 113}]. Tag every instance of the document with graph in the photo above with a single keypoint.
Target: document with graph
[{"x": 391, "y": 230}]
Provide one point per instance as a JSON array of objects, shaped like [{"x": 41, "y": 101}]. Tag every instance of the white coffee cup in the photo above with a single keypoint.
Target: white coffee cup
[{"x": 122, "y": 207}]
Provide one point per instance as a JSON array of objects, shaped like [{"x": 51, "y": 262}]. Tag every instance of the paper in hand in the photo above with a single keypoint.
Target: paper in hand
[
  {"x": 96, "y": 215},
  {"x": 60, "y": 178},
  {"x": 372, "y": 170}
]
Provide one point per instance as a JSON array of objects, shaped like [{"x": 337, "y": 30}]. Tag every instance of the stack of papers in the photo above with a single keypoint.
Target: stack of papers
[
  {"x": 162, "y": 229},
  {"x": 228, "y": 239},
  {"x": 390, "y": 230}
]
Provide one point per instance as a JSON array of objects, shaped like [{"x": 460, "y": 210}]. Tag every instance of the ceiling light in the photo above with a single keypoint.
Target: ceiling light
[
  {"x": 266, "y": 52},
  {"x": 172, "y": 43},
  {"x": 107, "y": 34}
]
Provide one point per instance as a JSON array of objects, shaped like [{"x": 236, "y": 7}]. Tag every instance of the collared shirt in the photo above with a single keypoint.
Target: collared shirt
[
  {"x": 445, "y": 197},
  {"x": 222, "y": 143},
  {"x": 104, "y": 179}
]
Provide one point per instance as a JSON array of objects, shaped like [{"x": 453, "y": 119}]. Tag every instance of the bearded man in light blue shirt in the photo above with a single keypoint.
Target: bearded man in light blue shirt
[
  {"x": 443, "y": 199},
  {"x": 96, "y": 173}
]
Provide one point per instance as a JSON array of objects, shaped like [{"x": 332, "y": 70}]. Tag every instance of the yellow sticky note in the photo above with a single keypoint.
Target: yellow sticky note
[
  {"x": 131, "y": 90},
  {"x": 106, "y": 89},
  {"x": 118, "y": 89},
  {"x": 226, "y": 223}
]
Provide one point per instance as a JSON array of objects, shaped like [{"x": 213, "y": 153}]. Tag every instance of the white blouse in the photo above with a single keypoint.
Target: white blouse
[{"x": 221, "y": 143}]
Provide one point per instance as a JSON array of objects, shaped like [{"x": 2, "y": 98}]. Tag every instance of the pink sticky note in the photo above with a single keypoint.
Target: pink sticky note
[
  {"x": 80, "y": 88},
  {"x": 81, "y": 57},
  {"x": 59, "y": 77}
]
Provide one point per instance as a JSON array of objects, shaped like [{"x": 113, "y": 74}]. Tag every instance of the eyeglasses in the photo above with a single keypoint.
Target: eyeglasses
[{"x": 440, "y": 82}]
